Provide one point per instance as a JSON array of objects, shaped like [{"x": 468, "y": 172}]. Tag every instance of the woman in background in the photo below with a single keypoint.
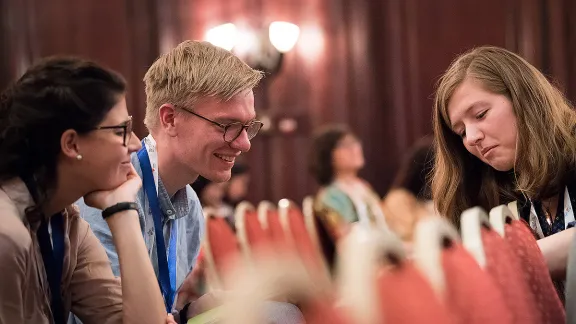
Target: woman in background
[
  {"x": 504, "y": 133},
  {"x": 65, "y": 133},
  {"x": 344, "y": 198},
  {"x": 238, "y": 185},
  {"x": 211, "y": 195},
  {"x": 410, "y": 198}
]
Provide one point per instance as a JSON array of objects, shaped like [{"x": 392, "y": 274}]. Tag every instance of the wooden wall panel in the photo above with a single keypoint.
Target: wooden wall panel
[
  {"x": 370, "y": 64},
  {"x": 119, "y": 34},
  {"x": 373, "y": 65}
]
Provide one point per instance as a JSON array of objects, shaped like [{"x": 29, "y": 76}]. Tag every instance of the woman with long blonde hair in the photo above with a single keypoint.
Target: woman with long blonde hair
[{"x": 504, "y": 133}]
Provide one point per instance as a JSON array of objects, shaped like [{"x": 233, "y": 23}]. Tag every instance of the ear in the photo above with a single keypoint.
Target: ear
[
  {"x": 167, "y": 114},
  {"x": 69, "y": 143}
]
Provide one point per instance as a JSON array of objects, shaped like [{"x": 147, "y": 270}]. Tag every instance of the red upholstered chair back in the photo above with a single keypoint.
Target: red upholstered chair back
[
  {"x": 535, "y": 272},
  {"x": 471, "y": 293},
  {"x": 274, "y": 227},
  {"x": 406, "y": 297},
  {"x": 249, "y": 231},
  {"x": 505, "y": 268},
  {"x": 221, "y": 248}
]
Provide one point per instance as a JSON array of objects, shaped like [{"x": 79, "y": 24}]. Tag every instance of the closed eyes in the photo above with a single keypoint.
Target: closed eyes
[{"x": 480, "y": 116}]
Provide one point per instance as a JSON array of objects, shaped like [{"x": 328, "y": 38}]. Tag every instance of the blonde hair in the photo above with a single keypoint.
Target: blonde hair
[
  {"x": 192, "y": 70},
  {"x": 545, "y": 150}
]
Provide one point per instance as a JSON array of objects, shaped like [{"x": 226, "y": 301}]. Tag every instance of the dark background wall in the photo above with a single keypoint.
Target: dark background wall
[{"x": 370, "y": 64}]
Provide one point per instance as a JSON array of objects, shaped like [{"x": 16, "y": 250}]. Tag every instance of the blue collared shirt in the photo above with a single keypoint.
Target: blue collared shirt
[{"x": 184, "y": 207}]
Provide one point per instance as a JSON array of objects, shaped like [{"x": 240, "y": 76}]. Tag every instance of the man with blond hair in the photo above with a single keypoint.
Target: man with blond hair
[{"x": 200, "y": 115}]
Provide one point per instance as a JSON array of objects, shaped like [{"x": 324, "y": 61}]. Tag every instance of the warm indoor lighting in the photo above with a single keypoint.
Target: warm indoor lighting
[
  {"x": 283, "y": 35},
  {"x": 223, "y": 36}
]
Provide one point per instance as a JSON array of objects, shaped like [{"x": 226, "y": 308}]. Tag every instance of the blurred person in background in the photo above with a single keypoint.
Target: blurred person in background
[
  {"x": 410, "y": 197},
  {"x": 211, "y": 195},
  {"x": 336, "y": 158},
  {"x": 238, "y": 185}
]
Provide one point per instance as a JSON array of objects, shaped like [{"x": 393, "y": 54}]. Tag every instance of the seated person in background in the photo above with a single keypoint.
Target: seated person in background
[
  {"x": 237, "y": 189},
  {"x": 211, "y": 195},
  {"x": 65, "y": 133},
  {"x": 410, "y": 198},
  {"x": 336, "y": 158}
]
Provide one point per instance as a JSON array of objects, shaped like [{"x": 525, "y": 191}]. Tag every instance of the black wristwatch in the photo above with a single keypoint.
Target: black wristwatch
[
  {"x": 181, "y": 316},
  {"x": 119, "y": 207}
]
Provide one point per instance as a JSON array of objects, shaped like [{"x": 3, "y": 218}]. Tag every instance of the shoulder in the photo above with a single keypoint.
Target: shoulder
[
  {"x": 14, "y": 235},
  {"x": 195, "y": 208},
  {"x": 331, "y": 195},
  {"x": 15, "y": 239}
]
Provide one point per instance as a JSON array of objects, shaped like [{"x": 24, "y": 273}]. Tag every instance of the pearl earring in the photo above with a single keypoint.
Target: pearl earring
[{"x": 79, "y": 157}]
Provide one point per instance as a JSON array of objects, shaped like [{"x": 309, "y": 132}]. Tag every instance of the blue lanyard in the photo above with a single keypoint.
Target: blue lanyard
[
  {"x": 52, "y": 254},
  {"x": 53, "y": 257},
  {"x": 166, "y": 264}
]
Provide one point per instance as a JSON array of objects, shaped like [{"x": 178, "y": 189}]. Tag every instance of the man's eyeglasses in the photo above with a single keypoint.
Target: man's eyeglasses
[
  {"x": 233, "y": 130},
  {"x": 126, "y": 127}
]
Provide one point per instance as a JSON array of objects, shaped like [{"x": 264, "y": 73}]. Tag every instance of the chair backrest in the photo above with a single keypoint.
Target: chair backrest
[
  {"x": 500, "y": 216},
  {"x": 455, "y": 274},
  {"x": 380, "y": 285},
  {"x": 279, "y": 277},
  {"x": 270, "y": 221},
  {"x": 294, "y": 226},
  {"x": 220, "y": 249},
  {"x": 535, "y": 271},
  {"x": 309, "y": 220},
  {"x": 471, "y": 223},
  {"x": 251, "y": 236},
  {"x": 505, "y": 269}
]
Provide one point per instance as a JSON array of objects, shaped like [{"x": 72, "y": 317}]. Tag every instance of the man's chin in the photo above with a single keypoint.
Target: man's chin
[{"x": 221, "y": 176}]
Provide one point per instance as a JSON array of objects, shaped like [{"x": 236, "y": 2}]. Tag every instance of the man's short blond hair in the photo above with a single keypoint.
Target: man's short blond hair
[{"x": 192, "y": 70}]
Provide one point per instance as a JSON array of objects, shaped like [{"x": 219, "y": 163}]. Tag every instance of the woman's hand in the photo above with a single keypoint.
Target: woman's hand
[
  {"x": 170, "y": 319},
  {"x": 126, "y": 192}
]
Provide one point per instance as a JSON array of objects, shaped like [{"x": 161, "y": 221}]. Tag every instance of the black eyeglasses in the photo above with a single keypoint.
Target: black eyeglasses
[
  {"x": 233, "y": 130},
  {"x": 125, "y": 126}
]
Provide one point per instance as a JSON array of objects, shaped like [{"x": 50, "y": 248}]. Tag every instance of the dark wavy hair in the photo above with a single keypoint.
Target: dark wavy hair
[
  {"x": 416, "y": 169},
  {"x": 54, "y": 95},
  {"x": 324, "y": 143}
]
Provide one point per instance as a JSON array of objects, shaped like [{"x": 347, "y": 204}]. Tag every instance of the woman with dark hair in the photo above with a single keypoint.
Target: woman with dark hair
[
  {"x": 65, "y": 133},
  {"x": 410, "y": 197},
  {"x": 237, "y": 188},
  {"x": 344, "y": 198},
  {"x": 211, "y": 195}
]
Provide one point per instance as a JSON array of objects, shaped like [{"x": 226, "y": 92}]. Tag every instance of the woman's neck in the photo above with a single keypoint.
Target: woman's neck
[
  {"x": 551, "y": 205},
  {"x": 66, "y": 193},
  {"x": 347, "y": 177}
]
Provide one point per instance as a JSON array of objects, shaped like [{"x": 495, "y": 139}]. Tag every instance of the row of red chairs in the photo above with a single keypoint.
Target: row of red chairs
[
  {"x": 281, "y": 228},
  {"x": 490, "y": 272}
]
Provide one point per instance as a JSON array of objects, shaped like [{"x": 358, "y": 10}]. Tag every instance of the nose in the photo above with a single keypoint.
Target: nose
[
  {"x": 134, "y": 144},
  {"x": 241, "y": 143},
  {"x": 473, "y": 136}
]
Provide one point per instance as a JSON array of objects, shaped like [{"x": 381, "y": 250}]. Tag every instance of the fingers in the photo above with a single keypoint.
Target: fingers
[{"x": 170, "y": 319}]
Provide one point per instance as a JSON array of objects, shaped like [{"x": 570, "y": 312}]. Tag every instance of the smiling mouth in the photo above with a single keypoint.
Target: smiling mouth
[{"x": 227, "y": 158}]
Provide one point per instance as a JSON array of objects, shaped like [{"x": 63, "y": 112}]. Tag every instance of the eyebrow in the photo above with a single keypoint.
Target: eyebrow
[
  {"x": 226, "y": 120},
  {"x": 479, "y": 103}
]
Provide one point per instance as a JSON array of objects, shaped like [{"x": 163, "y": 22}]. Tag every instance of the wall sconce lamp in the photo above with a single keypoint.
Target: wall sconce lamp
[{"x": 262, "y": 50}]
